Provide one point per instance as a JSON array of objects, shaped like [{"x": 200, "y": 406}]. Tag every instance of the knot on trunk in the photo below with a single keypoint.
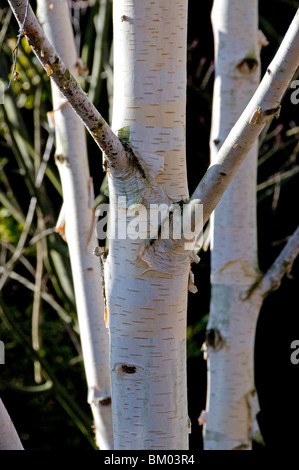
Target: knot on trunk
[
  {"x": 247, "y": 65},
  {"x": 214, "y": 339}
]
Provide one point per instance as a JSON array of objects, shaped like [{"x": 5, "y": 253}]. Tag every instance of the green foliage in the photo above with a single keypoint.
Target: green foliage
[
  {"x": 195, "y": 336},
  {"x": 44, "y": 387},
  {"x": 9, "y": 228}
]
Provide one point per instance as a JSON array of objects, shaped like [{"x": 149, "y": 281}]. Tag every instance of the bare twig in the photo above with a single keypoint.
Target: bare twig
[
  {"x": 45, "y": 159},
  {"x": 15, "y": 51},
  {"x": 41, "y": 235},
  {"x": 264, "y": 105},
  {"x": 103, "y": 135},
  {"x": 22, "y": 259},
  {"x": 282, "y": 176},
  {"x": 281, "y": 266},
  {"x": 44, "y": 295},
  {"x": 22, "y": 240},
  {"x": 4, "y": 27},
  {"x": 37, "y": 303}
]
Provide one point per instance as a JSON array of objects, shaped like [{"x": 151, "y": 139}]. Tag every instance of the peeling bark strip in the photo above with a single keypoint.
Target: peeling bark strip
[
  {"x": 60, "y": 74},
  {"x": 264, "y": 104}
]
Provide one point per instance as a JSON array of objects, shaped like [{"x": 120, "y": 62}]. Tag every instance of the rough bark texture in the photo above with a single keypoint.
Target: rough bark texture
[
  {"x": 232, "y": 403},
  {"x": 147, "y": 307},
  {"x": 77, "y": 186},
  {"x": 66, "y": 82},
  {"x": 234, "y": 264},
  {"x": 263, "y": 106}
]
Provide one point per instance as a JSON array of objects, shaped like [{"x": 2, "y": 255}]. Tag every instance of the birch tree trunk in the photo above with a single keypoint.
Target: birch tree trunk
[
  {"x": 234, "y": 264},
  {"x": 232, "y": 402},
  {"x": 9, "y": 439},
  {"x": 147, "y": 303},
  {"x": 77, "y": 186}
]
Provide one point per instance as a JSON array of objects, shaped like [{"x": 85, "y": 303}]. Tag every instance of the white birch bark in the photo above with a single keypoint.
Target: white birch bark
[
  {"x": 77, "y": 186},
  {"x": 264, "y": 105},
  {"x": 9, "y": 439},
  {"x": 234, "y": 264},
  {"x": 232, "y": 402},
  {"x": 146, "y": 307}
]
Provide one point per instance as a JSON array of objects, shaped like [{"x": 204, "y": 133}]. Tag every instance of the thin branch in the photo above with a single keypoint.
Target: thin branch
[
  {"x": 276, "y": 148},
  {"x": 263, "y": 106},
  {"x": 281, "y": 176},
  {"x": 26, "y": 388},
  {"x": 4, "y": 27},
  {"x": 15, "y": 51},
  {"x": 22, "y": 259},
  {"x": 22, "y": 240},
  {"x": 59, "y": 73},
  {"x": 37, "y": 127},
  {"x": 67, "y": 402},
  {"x": 44, "y": 295},
  {"x": 100, "y": 49},
  {"x": 41, "y": 235},
  {"x": 281, "y": 266},
  {"x": 37, "y": 303},
  {"x": 45, "y": 159}
]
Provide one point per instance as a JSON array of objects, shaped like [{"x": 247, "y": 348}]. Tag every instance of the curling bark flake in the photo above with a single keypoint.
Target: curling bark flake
[
  {"x": 72, "y": 163},
  {"x": 234, "y": 264},
  {"x": 147, "y": 297}
]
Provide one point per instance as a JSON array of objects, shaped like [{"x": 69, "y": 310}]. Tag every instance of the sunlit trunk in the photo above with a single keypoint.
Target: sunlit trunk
[
  {"x": 77, "y": 186},
  {"x": 234, "y": 264},
  {"x": 147, "y": 307}
]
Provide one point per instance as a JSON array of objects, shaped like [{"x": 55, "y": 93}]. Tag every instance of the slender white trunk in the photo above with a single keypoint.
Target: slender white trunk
[
  {"x": 147, "y": 307},
  {"x": 9, "y": 439},
  {"x": 72, "y": 162},
  {"x": 234, "y": 264}
]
